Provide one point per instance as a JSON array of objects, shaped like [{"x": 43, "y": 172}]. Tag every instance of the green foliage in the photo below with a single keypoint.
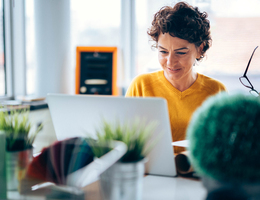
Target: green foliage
[
  {"x": 17, "y": 129},
  {"x": 137, "y": 136},
  {"x": 224, "y": 135}
]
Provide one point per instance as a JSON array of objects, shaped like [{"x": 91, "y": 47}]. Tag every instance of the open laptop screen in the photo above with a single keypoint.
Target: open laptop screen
[{"x": 81, "y": 115}]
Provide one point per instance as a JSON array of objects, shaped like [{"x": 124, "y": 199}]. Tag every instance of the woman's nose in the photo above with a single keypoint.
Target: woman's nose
[{"x": 171, "y": 59}]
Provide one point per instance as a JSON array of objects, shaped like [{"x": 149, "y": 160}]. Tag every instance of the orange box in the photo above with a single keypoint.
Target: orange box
[{"x": 82, "y": 86}]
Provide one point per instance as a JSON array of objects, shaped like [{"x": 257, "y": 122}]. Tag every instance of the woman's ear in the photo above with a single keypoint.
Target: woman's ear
[{"x": 200, "y": 50}]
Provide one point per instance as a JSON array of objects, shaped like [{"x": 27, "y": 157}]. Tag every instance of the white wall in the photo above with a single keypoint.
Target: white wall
[{"x": 52, "y": 34}]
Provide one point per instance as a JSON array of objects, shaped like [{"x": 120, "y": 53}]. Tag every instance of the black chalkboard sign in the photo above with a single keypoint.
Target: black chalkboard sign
[{"x": 96, "y": 70}]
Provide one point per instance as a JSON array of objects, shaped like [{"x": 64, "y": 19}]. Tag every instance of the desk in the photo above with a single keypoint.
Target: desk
[
  {"x": 177, "y": 188},
  {"x": 154, "y": 188}
]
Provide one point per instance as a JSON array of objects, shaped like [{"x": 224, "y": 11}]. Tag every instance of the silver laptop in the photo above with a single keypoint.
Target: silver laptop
[{"x": 81, "y": 115}]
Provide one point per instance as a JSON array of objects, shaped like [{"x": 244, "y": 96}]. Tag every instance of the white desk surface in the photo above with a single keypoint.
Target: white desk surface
[
  {"x": 172, "y": 188},
  {"x": 154, "y": 188}
]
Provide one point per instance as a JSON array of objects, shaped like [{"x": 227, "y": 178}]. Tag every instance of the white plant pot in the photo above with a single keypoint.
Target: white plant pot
[
  {"x": 16, "y": 166},
  {"x": 123, "y": 181}
]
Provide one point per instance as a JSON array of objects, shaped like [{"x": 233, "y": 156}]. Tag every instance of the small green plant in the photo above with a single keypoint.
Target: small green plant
[
  {"x": 17, "y": 128},
  {"x": 137, "y": 136}
]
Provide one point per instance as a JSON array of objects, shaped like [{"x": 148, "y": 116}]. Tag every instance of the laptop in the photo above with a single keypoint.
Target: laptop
[{"x": 81, "y": 115}]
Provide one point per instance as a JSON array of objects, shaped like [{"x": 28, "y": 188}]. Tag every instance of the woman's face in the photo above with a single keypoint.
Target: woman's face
[{"x": 177, "y": 57}]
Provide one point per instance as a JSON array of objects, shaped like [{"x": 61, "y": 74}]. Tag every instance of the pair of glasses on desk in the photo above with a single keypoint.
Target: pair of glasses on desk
[{"x": 245, "y": 81}]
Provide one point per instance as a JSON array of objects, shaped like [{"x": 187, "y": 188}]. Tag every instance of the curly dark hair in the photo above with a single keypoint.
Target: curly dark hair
[{"x": 182, "y": 21}]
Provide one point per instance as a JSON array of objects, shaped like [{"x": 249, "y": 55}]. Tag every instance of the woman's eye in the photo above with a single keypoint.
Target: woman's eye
[
  {"x": 163, "y": 52},
  {"x": 181, "y": 53}
]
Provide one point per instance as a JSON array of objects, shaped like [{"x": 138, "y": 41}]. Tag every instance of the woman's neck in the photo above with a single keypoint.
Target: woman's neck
[{"x": 184, "y": 83}]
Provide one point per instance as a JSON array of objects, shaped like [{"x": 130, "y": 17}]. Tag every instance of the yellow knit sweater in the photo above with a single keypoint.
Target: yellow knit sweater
[{"x": 181, "y": 105}]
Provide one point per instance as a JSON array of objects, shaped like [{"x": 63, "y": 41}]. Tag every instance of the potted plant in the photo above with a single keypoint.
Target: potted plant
[
  {"x": 224, "y": 146},
  {"x": 19, "y": 137},
  {"x": 123, "y": 180}
]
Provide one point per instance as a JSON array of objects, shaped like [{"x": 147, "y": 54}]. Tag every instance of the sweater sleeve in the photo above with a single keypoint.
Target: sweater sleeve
[{"x": 136, "y": 88}]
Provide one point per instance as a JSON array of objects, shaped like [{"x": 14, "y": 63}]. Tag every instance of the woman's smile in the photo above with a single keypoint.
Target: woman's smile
[
  {"x": 174, "y": 70},
  {"x": 177, "y": 57}
]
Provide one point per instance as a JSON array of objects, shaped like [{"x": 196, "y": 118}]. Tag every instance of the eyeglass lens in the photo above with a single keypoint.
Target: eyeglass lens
[
  {"x": 254, "y": 93},
  {"x": 245, "y": 82}
]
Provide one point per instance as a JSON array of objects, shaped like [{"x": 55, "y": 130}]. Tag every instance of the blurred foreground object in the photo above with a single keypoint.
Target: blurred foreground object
[
  {"x": 19, "y": 131},
  {"x": 19, "y": 136},
  {"x": 65, "y": 167},
  {"x": 124, "y": 179},
  {"x": 224, "y": 136},
  {"x": 3, "y": 183},
  {"x": 60, "y": 159}
]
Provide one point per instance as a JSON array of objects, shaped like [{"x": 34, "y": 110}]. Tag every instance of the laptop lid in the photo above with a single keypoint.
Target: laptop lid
[{"x": 81, "y": 115}]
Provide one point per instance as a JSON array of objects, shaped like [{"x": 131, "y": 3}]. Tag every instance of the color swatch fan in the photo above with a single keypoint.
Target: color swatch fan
[{"x": 59, "y": 160}]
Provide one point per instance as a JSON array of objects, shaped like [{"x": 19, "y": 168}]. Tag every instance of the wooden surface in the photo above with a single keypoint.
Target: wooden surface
[{"x": 93, "y": 191}]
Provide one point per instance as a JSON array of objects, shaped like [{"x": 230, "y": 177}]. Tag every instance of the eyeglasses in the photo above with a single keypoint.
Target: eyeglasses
[{"x": 245, "y": 81}]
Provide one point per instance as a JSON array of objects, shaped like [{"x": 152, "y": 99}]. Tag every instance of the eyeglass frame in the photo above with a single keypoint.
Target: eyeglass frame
[{"x": 245, "y": 76}]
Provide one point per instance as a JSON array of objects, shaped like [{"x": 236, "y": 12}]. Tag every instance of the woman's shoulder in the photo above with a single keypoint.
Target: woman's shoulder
[
  {"x": 210, "y": 82},
  {"x": 144, "y": 84},
  {"x": 151, "y": 76}
]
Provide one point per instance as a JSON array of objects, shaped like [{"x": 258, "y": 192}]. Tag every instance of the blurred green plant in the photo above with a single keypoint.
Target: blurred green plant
[
  {"x": 224, "y": 136},
  {"x": 17, "y": 128},
  {"x": 138, "y": 137}
]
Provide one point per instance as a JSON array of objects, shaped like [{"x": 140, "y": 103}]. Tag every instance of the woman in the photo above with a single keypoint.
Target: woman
[{"x": 182, "y": 36}]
